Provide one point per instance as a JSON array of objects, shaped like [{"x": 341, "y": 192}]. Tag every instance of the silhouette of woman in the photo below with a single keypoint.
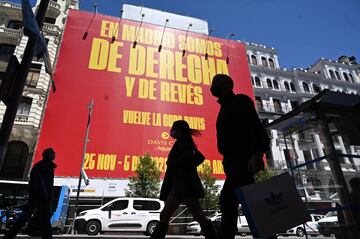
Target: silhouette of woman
[{"x": 182, "y": 183}]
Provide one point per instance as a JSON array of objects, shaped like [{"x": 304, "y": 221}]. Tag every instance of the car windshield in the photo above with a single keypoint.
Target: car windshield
[{"x": 331, "y": 214}]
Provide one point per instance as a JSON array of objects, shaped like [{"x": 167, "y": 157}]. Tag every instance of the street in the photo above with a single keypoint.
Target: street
[{"x": 145, "y": 237}]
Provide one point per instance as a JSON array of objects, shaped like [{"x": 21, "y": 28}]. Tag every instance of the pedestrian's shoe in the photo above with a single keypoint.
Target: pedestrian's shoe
[
  {"x": 160, "y": 231},
  {"x": 208, "y": 230}
]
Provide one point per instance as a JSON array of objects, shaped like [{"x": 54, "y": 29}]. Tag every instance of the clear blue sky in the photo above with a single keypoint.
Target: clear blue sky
[{"x": 301, "y": 30}]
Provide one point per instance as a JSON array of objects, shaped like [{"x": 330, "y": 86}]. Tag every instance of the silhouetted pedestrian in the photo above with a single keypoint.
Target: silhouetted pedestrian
[
  {"x": 242, "y": 141},
  {"x": 355, "y": 200},
  {"x": 182, "y": 183},
  {"x": 40, "y": 192}
]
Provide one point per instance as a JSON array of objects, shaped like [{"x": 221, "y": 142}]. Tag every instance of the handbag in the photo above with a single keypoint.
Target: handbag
[{"x": 272, "y": 206}]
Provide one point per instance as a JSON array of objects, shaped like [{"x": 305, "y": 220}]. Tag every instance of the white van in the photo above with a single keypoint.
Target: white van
[{"x": 121, "y": 215}]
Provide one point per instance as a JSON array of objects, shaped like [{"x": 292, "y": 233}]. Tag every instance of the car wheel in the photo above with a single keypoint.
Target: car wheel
[
  {"x": 243, "y": 234},
  {"x": 151, "y": 228},
  {"x": 300, "y": 232},
  {"x": 92, "y": 228}
]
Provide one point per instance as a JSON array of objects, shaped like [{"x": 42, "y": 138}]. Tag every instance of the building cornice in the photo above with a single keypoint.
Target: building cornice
[
  {"x": 271, "y": 71},
  {"x": 11, "y": 5}
]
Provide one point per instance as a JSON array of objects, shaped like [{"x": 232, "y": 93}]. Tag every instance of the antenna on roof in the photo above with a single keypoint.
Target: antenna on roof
[
  {"x": 137, "y": 34},
  {"x": 116, "y": 30},
  {"x": 162, "y": 36},
  {"x": 206, "y": 44},
  {"x": 187, "y": 31},
  {"x": 228, "y": 46},
  {"x": 92, "y": 18}
]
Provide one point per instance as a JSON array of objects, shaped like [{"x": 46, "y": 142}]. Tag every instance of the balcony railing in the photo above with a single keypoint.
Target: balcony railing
[
  {"x": 10, "y": 36},
  {"x": 54, "y": 9},
  {"x": 51, "y": 29},
  {"x": 270, "y": 108},
  {"x": 22, "y": 118},
  {"x": 27, "y": 120}
]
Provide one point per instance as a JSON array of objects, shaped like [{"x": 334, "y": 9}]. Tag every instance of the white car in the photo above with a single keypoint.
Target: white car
[
  {"x": 310, "y": 226},
  {"x": 193, "y": 228},
  {"x": 329, "y": 224},
  {"x": 121, "y": 214}
]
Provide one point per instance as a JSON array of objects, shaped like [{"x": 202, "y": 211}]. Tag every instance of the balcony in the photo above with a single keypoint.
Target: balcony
[
  {"x": 21, "y": 118},
  {"x": 51, "y": 30},
  {"x": 11, "y": 10},
  {"x": 27, "y": 120},
  {"x": 10, "y": 36},
  {"x": 54, "y": 10}
]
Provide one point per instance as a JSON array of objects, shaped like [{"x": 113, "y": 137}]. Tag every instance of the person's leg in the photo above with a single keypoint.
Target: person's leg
[
  {"x": 193, "y": 205},
  {"x": 27, "y": 210},
  {"x": 229, "y": 211},
  {"x": 171, "y": 204},
  {"x": 45, "y": 214},
  {"x": 206, "y": 225}
]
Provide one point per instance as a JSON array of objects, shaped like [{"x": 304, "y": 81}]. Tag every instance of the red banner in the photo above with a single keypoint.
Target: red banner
[{"x": 138, "y": 93}]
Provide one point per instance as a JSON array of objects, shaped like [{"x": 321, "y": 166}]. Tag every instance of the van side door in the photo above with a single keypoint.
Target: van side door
[{"x": 117, "y": 215}]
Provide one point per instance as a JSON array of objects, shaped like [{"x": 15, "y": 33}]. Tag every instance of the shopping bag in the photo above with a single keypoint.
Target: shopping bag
[{"x": 272, "y": 206}]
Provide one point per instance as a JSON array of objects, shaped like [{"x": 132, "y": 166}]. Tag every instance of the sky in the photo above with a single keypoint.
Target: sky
[{"x": 301, "y": 30}]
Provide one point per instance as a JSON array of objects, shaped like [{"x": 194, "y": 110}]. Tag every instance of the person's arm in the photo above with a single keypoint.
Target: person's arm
[
  {"x": 260, "y": 139},
  {"x": 185, "y": 158},
  {"x": 260, "y": 142}
]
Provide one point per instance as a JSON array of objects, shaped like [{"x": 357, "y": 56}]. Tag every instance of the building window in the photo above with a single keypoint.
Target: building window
[
  {"x": 50, "y": 20},
  {"x": 276, "y": 84},
  {"x": 257, "y": 81},
  {"x": 41, "y": 58},
  {"x": 259, "y": 104},
  {"x": 264, "y": 61},
  {"x": 306, "y": 87},
  {"x": 292, "y": 87},
  {"x": 6, "y": 51},
  {"x": 331, "y": 72},
  {"x": 15, "y": 24},
  {"x": 33, "y": 76},
  {"x": 252, "y": 81},
  {"x": 13, "y": 167},
  {"x": 346, "y": 76},
  {"x": 253, "y": 60},
  {"x": 269, "y": 83},
  {"x": 146, "y": 205},
  {"x": 248, "y": 58},
  {"x": 287, "y": 87},
  {"x": 316, "y": 88},
  {"x": 271, "y": 63},
  {"x": 337, "y": 75},
  {"x": 351, "y": 77},
  {"x": 294, "y": 104},
  {"x": 307, "y": 157},
  {"x": 277, "y": 106},
  {"x": 24, "y": 106}
]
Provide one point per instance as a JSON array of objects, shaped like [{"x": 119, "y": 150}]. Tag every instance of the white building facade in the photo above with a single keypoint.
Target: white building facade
[{"x": 29, "y": 115}]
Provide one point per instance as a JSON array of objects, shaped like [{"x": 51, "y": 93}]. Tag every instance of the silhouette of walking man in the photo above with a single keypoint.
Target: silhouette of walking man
[
  {"x": 182, "y": 182},
  {"x": 242, "y": 141},
  {"x": 40, "y": 192},
  {"x": 355, "y": 200}
]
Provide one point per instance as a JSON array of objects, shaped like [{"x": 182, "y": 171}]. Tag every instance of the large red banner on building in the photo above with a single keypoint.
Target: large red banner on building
[{"x": 138, "y": 93}]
